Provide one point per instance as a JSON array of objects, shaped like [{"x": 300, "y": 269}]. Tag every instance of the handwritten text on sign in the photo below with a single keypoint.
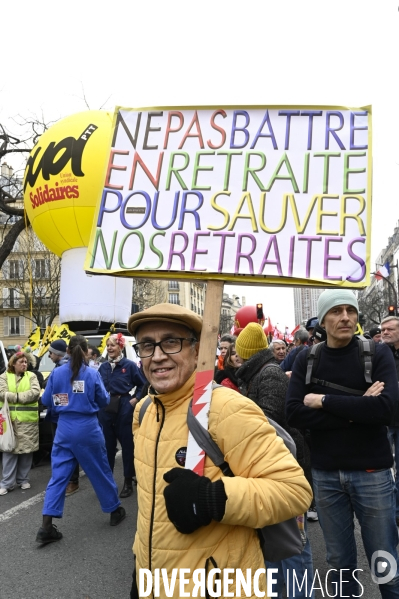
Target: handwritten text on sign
[{"x": 238, "y": 192}]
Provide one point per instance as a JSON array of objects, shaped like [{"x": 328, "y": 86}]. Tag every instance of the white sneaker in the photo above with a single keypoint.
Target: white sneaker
[
  {"x": 312, "y": 514},
  {"x": 25, "y": 486},
  {"x": 3, "y": 491}
]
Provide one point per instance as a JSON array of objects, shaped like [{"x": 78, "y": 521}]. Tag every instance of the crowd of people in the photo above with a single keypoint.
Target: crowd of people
[
  {"x": 347, "y": 425},
  {"x": 334, "y": 393},
  {"x": 90, "y": 406}
]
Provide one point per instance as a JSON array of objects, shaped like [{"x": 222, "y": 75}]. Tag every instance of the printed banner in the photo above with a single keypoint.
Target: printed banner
[
  {"x": 249, "y": 194},
  {"x": 61, "y": 331},
  {"x": 33, "y": 341}
]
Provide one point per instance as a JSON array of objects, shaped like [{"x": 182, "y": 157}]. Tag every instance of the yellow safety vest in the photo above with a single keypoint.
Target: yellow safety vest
[{"x": 22, "y": 412}]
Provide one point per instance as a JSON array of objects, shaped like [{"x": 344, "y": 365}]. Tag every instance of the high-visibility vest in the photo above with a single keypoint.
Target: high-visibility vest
[{"x": 22, "y": 412}]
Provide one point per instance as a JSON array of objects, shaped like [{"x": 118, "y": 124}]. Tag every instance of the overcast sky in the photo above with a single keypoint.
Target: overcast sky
[{"x": 162, "y": 53}]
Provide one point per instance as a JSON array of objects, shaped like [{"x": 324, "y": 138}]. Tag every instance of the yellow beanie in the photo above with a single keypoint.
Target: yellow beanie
[{"x": 251, "y": 340}]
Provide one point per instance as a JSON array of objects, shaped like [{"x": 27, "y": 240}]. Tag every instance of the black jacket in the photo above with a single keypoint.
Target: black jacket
[{"x": 350, "y": 431}]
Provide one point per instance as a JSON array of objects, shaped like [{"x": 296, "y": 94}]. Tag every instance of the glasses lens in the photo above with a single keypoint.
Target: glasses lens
[
  {"x": 144, "y": 349},
  {"x": 171, "y": 346},
  {"x": 168, "y": 346}
]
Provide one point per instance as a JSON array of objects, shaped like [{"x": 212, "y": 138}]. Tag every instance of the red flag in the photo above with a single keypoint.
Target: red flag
[
  {"x": 295, "y": 330},
  {"x": 269, "y": 329}
]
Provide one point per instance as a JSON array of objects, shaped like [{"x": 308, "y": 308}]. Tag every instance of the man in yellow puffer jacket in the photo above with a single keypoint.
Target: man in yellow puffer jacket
[{"x": 202, "y": 522}]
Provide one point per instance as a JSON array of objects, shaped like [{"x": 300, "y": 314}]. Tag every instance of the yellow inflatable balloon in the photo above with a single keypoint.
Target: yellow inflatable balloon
[{"x": 64, "y": 178}]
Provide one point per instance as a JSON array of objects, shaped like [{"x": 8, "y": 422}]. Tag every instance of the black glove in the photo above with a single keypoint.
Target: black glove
[{"x": 191, "y": 500}]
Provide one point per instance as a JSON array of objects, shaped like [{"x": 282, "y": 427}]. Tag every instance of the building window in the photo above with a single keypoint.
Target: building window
[
  {"x": 15, "y": 328},
  {"x": 14, "y": 298},
  {"x": 14, "y": 325},
  {"x": 174, "y": 298},
  {"x": 173, "y": 284},
  {"x": 14, "y": 269},
  {"x": 39, "y": 271},
  {"x": 10, "y": 298}
]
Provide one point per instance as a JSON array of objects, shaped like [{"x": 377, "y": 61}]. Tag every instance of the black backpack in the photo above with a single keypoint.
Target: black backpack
[{"x": 366, "y": 354}]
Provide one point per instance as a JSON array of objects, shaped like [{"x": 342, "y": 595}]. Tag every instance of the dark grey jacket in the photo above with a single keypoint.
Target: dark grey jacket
[{"x": 267, "y": 387}]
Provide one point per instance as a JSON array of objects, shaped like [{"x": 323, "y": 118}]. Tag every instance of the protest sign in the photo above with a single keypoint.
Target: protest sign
[{"x": 246, "y": 194}]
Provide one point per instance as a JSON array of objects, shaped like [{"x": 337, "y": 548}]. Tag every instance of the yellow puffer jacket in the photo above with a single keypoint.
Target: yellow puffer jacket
[{"x": 269, "y": 486}]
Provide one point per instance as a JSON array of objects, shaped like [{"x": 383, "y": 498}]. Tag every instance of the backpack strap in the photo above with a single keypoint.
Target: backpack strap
[
  {"x": 258, "y": 372},
  {"x": 334, "y": 386},
  {"x": 366, "y": 353},
  {"x": 313, "y": 356},
  {"x": 205, "y": 441},
  {"x": 148, "y": 401},
  {"x": 212, "y": 450},
  {"x": 143, "y": 408}
]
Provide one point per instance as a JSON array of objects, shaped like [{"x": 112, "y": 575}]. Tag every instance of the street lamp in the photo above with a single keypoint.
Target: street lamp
[{"x": 395, "y": 295}]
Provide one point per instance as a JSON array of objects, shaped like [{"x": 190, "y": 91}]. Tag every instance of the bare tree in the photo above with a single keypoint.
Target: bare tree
[
  {"x": 374, "y": 305},
  {"x": 225, "y": 324},
  {"x": 13, "y": 219},
  {"x": 11, "y": 215},
  {"x": 148, "y": 292},
  {"x": 31, "y": 280}
]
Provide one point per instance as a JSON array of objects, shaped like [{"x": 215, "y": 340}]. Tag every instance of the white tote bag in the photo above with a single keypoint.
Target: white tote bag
[{"x": 7, "y": 437}]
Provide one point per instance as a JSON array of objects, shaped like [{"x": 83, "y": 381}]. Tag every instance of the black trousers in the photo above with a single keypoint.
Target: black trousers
[{"x": 134, "y": 592}]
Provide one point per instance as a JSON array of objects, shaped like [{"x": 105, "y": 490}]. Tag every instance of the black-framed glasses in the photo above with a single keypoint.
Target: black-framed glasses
[{"x": 174, "y": 345}]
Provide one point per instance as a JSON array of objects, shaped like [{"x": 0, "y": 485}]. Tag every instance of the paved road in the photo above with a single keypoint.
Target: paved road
[
  {"x": 319, "y": 562},
  {"x": 93, "y": 560}
]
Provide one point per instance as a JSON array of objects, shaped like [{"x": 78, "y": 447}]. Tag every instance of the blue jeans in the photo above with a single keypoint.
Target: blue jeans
[
  {"x": 294, "y": 569},
  {"x": 393, "y": 434},
  {"x": 370, "y": 496}
]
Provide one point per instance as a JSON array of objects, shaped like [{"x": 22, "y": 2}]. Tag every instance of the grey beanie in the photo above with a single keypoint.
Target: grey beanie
[
  {"x": 335, "y": 297},
  {"x": 58, "y": 347}
]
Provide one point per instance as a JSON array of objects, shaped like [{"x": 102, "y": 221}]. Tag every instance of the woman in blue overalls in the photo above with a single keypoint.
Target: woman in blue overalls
[{"x": 76, "y": 393}]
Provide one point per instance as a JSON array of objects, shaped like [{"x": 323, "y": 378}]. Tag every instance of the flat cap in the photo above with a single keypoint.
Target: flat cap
[{"x": 167, "y": 313}]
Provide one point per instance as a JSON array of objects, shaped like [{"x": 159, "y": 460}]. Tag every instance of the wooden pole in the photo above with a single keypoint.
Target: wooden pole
[
  {"x": 210, "y": 327},
  {"x": 195, "y": 457}
]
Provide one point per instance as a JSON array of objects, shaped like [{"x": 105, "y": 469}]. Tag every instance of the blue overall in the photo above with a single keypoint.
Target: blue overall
[
  {"x": 79, "y": 438},
  {"x": 118, "y": 427}
]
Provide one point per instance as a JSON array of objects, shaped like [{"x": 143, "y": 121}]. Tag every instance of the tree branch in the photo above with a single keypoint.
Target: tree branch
[
  {"x": 4, "y": 207},
  {"x": 11, "y": 238}
]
